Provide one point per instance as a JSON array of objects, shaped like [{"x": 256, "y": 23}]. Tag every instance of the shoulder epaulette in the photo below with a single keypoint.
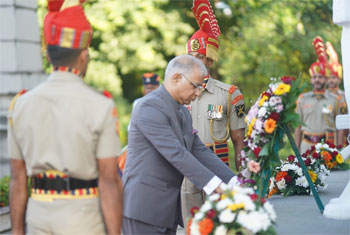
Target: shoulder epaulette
[
  {"x": 12, "y": 104},
  {"x": 222, "y": 85},
  {"x": 232, "y": 89},
  {"x": 237, "y": 99},
  {"x": 107, "y": 94}
]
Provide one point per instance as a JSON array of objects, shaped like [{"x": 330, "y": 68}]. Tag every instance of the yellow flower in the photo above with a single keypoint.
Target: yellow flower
[
  {"x": 270, "y": 125},
  {"x": 250, "y": 127},
  {"x": 281, "y": 89},
  {"x": 313, "y": 176},
  {"x": 223, "y": 197},
  {"x": 262, "y": 100},
  {"x": 339, "y": 159},
  {"x": 236, "y": 206}
]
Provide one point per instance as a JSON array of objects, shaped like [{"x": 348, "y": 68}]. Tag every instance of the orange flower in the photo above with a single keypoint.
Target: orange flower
[
  {"x": 270, "y": 125},
  {"x": 206, "y": 226},
  {"x": 273, "y": 191},
  {"x": 329, "y": 165},
  {"x": 280, "y": 175},
  {"x": 334, "y": 164},
  {"x": 326, "y": 156},
  {"x": 188, "y": 227}
]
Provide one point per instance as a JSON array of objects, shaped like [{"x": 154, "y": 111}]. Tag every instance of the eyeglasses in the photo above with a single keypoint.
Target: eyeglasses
[{"x": 196, "y": 86}]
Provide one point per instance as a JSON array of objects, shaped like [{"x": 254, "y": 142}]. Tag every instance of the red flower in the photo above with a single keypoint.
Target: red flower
[
  {"x": 254, "y": 197},
  {"x": 291, "y": 158},
  {"x": 275, "y": 116},
  {"x": 307, "y": 162},
  {"x": 194, "y": 210},
  {"x": 211, "y": 214},
  {"x": 265, "y": 94},
  {"x": 313, "y": 148},
  {"x": 334, "y": 153},
  {"x": 288, "y": 179},
  {"x": 339, "y": 146},
  {"x": 287, "y": 80},
  {"x": 257, "y": 151},
  {"x": 263, "y": 200},
  {"x": 315, "y": 155}
]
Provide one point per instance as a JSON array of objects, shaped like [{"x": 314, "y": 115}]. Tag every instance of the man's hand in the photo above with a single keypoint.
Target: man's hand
[
  {"x": 111, "y": 191},
  {"x": 237, "y": 137},
  {"x": 18, "y": 195}
]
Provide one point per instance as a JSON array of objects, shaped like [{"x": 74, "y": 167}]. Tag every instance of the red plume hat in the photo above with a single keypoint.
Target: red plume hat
[
  {"x": 205, "y": 40},
  {"x": 321, "y": 65},
  {"x": 334, "y": 65},
  {"x": 66, "y": 25}
]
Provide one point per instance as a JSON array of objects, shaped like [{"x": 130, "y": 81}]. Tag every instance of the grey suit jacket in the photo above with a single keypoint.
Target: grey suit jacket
[{"x": 162, "y": 149}]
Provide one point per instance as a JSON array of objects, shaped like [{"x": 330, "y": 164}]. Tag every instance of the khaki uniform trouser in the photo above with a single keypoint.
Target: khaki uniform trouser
[
  {"x": 77, "y": 216},
  {"x": 190, "y": 196}
]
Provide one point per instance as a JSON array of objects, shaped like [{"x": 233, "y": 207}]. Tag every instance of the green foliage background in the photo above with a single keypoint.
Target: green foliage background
[{"x": 260, "y": 39}]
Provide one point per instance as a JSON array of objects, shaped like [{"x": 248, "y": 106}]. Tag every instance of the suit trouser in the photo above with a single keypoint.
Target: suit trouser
[
  {"x": 134, "y": 227},
  {"x": 190, "y": 196},
  {"x": 77, "y": 216}
]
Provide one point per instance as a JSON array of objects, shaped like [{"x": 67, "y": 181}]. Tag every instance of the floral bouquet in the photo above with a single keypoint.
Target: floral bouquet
[
  {"x": 327, "y": 154},
  {"x": 267, "y": 121},
  {"x": 237, "y": 211},
  {"x": 289, "y": 179}
]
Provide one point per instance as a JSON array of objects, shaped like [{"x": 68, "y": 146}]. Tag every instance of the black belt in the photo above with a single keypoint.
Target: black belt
[
  {"x": 59, "y": 184},
  {"x": 315, "y": 138}
]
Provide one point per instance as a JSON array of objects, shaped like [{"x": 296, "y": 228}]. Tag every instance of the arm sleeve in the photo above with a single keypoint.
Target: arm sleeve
[
  {"x": 13, "y": 146},
  {"x": 108, "y": 144},
  {"x": 237, "y": 107},
  {"x": 156, "y": 128}
]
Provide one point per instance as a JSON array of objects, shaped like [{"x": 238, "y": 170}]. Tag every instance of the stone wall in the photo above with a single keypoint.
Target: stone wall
[{"x": 20, "y": 60}]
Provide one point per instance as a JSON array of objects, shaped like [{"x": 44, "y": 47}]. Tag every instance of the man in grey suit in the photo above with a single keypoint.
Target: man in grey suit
[{"x": 163, "y": 148}]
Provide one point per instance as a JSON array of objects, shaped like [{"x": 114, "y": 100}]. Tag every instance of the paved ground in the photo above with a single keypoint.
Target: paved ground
[{"x": 300, "y": 214}]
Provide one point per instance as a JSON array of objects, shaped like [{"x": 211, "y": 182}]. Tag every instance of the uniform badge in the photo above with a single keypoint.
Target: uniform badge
[
  {"x": 327, "y": 108},
  {"x": 240, "y": 110},
  {"x": 343, "y": 110},
  {"x": 210, "y": 111},
  {"x": 195, "y": 45}
]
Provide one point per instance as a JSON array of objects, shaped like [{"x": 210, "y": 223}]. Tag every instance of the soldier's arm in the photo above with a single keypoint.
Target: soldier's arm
[
  {"x": 111, "y": 193},
  {"x": 297, "y": 136},
  {"x": 18, "y": 195},
  {"x": 237, "y": 137}
]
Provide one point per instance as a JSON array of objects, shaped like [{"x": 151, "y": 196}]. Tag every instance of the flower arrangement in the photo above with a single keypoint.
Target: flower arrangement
[
  {"x": 289, "y": 179},
  {"x": 267, "y": 121},
  {"x": 327, "y": 154},
  {"x": 237, "y": 211}
]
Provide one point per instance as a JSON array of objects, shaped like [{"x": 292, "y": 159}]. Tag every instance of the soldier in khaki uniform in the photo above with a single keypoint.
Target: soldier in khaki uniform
[
  {"x": 318, "y": 108},
  {"x": 62, "y": 135},
  {"x": 334, "y": 80},
  {"x": 218, "y": 113}
]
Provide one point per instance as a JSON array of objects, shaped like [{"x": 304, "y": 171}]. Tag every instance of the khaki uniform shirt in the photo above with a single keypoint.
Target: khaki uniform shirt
[
  {"x": 216, "y": 94},
  {"x": 342, "y": 102},
  {"x": 63, "y": 125},
  {"x": 318, "y": 111}
]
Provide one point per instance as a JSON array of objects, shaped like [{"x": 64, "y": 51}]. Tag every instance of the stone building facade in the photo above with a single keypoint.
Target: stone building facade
[{"x": 20, "y": 60}]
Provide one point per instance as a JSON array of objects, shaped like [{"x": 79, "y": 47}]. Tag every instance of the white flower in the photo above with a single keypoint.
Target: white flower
[
  {"x": 262, "y": 112},
  {"x": 281, "y": 184},
  {"x": 254, "y": 221},
  {"x": 223, "y": 186},
  {"x": 206, "y": 206},
  {"x": 272, "y": 183},
  {"x": 214, "y": 197},
  {"x": 299, "y": 171},
  {"x": 318, "y": 146},
  {"x": 246, "y": 173},
  {"x": 198, "y": 216},
  {"x": 301, "y": 181},
  {"x": 285, "y": 167},
  {"x": 220, "y": 230},
  {"x": 270, "y": 210},
  {"x": 226, "y": 216},
  {"x": 194, "y": 228},
  {"x": 246, "y": 200},
  {"x": 223, "y": 204}
]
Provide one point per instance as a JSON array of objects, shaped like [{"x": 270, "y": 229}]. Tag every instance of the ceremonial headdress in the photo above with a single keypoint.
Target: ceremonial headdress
[
  {"x": 335, "y": 67},
  {"x": 321, "y": 65},
  {"x": 150, "y": 78},
  {"x": 66, "y": 25},
  {"x": 205, "y": 40}
]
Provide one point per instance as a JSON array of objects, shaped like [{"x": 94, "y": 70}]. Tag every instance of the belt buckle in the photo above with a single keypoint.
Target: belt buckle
[{"x": 67, "y": 180}]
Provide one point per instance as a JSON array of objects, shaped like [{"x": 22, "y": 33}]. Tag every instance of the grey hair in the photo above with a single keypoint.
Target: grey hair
[{"x": 186, "y": 65}]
